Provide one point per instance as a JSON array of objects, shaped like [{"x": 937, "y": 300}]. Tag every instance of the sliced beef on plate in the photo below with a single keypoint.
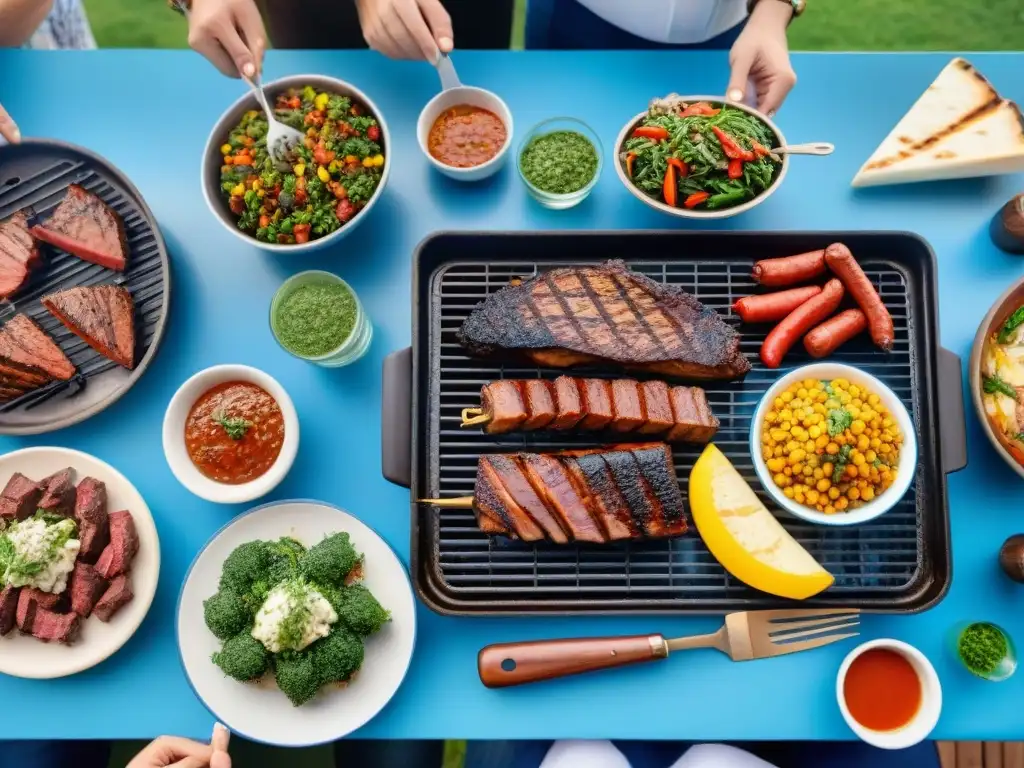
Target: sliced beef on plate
[
  {"x": 19, "y": 253},
  {"x": 84, "y": 226},
  {"x": 117, "y": 556},
  {"x": 42, "y": 623},
  {"x": 92, "y": 519},
  {"x": 19, "y": 497},
  {"x": 51, "y": 601},
  {"x": 58, "y": 493},
  {"x": 23, "y": 344},
  {"x": 8, "y": 608},
  {"x": 10, "y": 393},
  {"x": 103, "y": 316},
  {"x": 86, "y": 587},
  {"x": 118, "y": 595}
]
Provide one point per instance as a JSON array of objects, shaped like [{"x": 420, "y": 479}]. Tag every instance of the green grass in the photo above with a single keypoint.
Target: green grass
[{"x": 828, "y": 25}]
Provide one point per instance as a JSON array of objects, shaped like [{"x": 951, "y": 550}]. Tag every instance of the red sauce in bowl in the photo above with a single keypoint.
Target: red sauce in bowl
[
  {"x": 465, "y": 136},
  {"x": 234, "y": 432},
  {"x": 882, "y": 690}
]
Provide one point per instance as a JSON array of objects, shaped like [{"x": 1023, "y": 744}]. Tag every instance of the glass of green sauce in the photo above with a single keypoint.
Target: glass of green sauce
[
  {"x": 560, "y": 161},
  {"x": 316, "y": 316},
  {"x": 985, "y": 650}
]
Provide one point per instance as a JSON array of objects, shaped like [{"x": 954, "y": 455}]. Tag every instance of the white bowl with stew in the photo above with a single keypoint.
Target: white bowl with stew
[
  {"x": 452, "y": 99},
  {"x": 230, "y": 434}
]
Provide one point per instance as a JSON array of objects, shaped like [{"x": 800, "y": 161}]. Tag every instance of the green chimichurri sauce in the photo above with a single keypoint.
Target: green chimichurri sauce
[
  {"x": 982, "y": 647},
  {"x": 559, "y": 162},
  {"x": 316, "y": 318}
]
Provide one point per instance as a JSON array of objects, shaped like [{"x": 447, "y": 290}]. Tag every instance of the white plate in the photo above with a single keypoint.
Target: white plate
[
  {"x": 259, "y": 711},
  {"x": 23, "y": 655}
]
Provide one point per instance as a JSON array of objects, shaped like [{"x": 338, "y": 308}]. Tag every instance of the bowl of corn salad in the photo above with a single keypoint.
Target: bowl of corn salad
[{"x": 833, "y": 445}]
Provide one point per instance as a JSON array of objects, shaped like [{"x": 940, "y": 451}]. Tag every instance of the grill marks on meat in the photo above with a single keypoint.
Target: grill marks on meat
[
  {"x": 622, "y": 405},
  {"x": 101, "y": 315},
  {"x": 576, "y": 315},
  {"x": 29, "y": 358},
  {"x": 625, "y": 492},
  {"x": 84, "y": 226},
  {"x": 19, "y": 253}
]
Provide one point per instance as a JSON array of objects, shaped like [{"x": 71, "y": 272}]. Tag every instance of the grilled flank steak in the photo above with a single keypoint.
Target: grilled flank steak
[
  {"x": 19, "y": 253},
  {"x": 101, "y": 315},
  {"x": 84, "y": 226},
  {"x": 29, "y": 358},
  {"x": 576, "y": 315},
  {"x": 626, "y": 491}
]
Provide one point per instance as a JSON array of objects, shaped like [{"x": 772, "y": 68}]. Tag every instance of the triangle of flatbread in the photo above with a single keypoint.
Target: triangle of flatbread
[{"x": 960, "y": 127}]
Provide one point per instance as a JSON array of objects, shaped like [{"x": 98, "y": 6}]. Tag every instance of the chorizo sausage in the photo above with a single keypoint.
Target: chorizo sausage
[
  {"x": 770, "y": 307},
  {"x": 846, "y": 268},
  {"x": 834, "y": 332},
  {"x": 790, "y": 270},
  {"x": 800, "y": 321}
]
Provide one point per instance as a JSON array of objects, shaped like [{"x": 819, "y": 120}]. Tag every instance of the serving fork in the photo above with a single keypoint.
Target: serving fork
[{"x": 744, "y": 636}]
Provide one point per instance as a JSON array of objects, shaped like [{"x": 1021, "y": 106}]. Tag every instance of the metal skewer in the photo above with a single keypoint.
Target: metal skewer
[{"x": 459, "y": 502}]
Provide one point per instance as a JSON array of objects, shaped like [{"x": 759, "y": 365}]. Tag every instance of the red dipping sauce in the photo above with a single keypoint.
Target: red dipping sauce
[
  {"x": 882, "y": 690},
  {"x": 464, "y": 136}
]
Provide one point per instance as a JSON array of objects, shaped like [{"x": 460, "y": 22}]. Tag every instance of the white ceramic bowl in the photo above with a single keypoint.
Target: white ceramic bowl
[
  {"x": 927, "y": 716},
  {"x": 174, "y": 435},
  {"x": 212, "y": 158},
  {"x": 908, "y": 454},
  {"x": 688, "y": 213},
  {"x": 474, "y": 97}
]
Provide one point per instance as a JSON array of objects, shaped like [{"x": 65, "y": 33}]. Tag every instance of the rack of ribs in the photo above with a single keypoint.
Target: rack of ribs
[{"x": 676, "y": 414}]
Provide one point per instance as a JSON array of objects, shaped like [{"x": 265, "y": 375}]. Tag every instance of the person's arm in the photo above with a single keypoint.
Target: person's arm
[
  {"x": 761, "y": 55},
  {"x": 19, "y": 19},
  {"x": 229, "y": 33},
  {"x": 406, "y": 29}
]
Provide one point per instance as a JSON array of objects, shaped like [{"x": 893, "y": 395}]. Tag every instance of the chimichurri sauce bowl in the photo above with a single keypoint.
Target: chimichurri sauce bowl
[
  {"x": 699, "y": 209},
  {"x": 560, "y": 161},
  {"x": 213, "y": 163}
]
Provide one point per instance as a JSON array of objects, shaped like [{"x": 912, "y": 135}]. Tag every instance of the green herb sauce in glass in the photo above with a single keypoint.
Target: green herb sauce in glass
[
  {"x": 315, "y": 319},
  {"x": 559, "y": 162},
  {"x": 982, "y": 648}
]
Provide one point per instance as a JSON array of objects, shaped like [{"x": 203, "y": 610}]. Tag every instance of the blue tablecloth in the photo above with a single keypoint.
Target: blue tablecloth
[{"x": 150, "y": 113}]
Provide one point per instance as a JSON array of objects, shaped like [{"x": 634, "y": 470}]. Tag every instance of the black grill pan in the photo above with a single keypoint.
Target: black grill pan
[
  {"x": 33, "y": 177},
  {"x": 899, "y": 563}
]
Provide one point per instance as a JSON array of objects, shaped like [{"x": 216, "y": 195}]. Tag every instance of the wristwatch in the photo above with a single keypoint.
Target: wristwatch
[
  {"x": 182, "y": 6},
  {"x": 798, "y": 6}
]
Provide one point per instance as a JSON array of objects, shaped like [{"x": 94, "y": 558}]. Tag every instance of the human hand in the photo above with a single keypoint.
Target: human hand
[
  {"x": 761, "y": 54},
  {"x": 230, "y": 34},
  {"x": 173, "y": 752},
  {"x": 8, "y": 128},
  {"x": 406, "y": 29}
]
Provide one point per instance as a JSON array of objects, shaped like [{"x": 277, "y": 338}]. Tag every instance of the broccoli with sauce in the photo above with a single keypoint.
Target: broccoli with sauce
[
  {"x": 359, "y": 610},
  {"x": 226, "y": 613},
  {"x": 297, "y": 676},
  {"x": 242, "y": 657},
  {"x": 330, "y": 561},
  {"x": 337, "y": 656}
]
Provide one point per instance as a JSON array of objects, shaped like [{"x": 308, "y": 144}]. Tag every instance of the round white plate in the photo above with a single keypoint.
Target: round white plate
[
  {"x": 23, "y": 655},
  {"x": 259, "y": 711}
]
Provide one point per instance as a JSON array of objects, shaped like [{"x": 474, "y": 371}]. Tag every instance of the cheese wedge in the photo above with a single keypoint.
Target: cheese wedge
[
  {"x": 959, "y": 128},
  {"x": 745, "y": 537}
]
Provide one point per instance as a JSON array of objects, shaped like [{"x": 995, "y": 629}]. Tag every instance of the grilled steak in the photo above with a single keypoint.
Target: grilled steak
[
  {"x": 505, "y": 401},
  {"x": 657, "y": 408},
  {"x": 85, "y": 227},
  {"x": 19, "y": 497},
  {"x": 101, "y": 315},
  {"x": 539, "y": 403},
  {"x": 18, "y": 254},
  {"x": 117, "y": 556},
  {"x": 86, "y": 587},
  {"x": 568, "y": 403},
  {"x": 25, "y": 346},
  {"x": 627, "y": 407},
  {"x": 51, "y": 601},
  {"x": 118, "y": 595},
  {"x": 33, "y": 619},
  {"x": 92, "y": 519},
  {"x": 575, "y": 315},
  {"x": 8, "y": 608},
  {"x": 625, "y": 492},
  {"x": 597, "y": 403},
  {"x": 58, "y": 493}
]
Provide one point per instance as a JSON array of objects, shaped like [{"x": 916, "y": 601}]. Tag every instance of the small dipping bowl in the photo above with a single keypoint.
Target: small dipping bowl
[
  {"x": 927, "y": 715},
  {"x": 555, "y": 200},
  {"x": 354, "y": 345},
  {"x": 1001, "y": 671},
  {"x": 469, "y": 96}
]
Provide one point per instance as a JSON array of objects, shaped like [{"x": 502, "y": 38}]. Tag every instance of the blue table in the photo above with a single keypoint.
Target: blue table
[{"x": 150, "y": 112}]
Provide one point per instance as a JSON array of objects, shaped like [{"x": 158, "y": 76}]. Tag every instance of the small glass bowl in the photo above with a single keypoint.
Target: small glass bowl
[
  {"x": 1006, "y": 667},
  {"x": 551, "y": 199},
  {"x": 355, "y": 344}
]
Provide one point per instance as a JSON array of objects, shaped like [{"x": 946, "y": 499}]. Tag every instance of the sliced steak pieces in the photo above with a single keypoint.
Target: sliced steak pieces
[
  {"x": 23, "y": 344},
  {"x": 92, "y": 519},
  {"x": 117, "y": 556},
  {"x": 627, "y": 405},
  {"x": 58, "y": 493},
  {"x": 51, "y": 601},
  {"x": 18, "y": 254},
  {"x": 103, "y": 316},
  {"x": 86, "y": 587},
  {"x": 494, "y": 498},
  {"x": 44, "y": 624},
  {"x": 8, "y": 608},
  {"x": 539, "y": 403},
  {"x": 503, "y": 401},
  {"x": 657, "y": 407},
  {"x": 19, "y": 497},
  {"x": 568, "y": 403},
  {"x": 85, "y": 227},
  {"x": 597, "y": 403},
  {"x": 118, "y": 595}
]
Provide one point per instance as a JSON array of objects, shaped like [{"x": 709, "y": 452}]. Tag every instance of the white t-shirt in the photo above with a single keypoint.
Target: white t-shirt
[{"x": 671, "y": 21}]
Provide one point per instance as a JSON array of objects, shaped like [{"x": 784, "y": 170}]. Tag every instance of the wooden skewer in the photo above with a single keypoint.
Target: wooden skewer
[
  {"x": 471, "y": 417},
  {"x": 458, "y": 502}
]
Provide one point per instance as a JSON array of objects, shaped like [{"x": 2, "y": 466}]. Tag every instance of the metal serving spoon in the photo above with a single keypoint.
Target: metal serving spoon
[
  {"x": 811, "y": 148},
  {"x": 446, "y": 71}
]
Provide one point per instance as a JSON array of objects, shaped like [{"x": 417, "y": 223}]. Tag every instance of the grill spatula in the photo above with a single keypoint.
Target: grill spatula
[{"x": 744, "y": 636}]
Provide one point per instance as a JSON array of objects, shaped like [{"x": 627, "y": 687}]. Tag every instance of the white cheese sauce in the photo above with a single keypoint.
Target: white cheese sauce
[
  {"x": 293, "y": 598},
  {"x": 38, "y": 559}
]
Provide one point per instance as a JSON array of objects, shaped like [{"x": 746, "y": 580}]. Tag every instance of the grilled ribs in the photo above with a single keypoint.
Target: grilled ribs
[
  {"x": 622, "y": 405},
  {"x": 84, "y": 226},
  {"x": 103, "y": 316},
  {"x": 577, "y": 315},
  {"x": 628, "y": 491}
]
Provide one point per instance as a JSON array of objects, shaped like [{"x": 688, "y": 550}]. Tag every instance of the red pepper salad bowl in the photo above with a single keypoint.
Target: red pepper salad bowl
[{"x": 672, "y": 172}]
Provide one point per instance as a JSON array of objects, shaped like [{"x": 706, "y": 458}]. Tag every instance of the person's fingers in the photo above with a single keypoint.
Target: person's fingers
[
  {"x": 203, "y": 39},
  {"x": 166, "y": 750},
  {"x": 220, "y": 760},
  {"x": 378, "y": 38},
  {"x": 8, "y": 128},
  {"x": 250, "y": 23},
  {"x": 191, "y": 762},
  {"x": 440, "y": 24},
  {"x": 418, "y": 30},
  {"x": 741, "y": 59},
  {"x": 396, "y": 30},
  {"x": 778, "y": 89},
  {"x": 221, "y": 738},
  {"x": 232, "y": 42}
]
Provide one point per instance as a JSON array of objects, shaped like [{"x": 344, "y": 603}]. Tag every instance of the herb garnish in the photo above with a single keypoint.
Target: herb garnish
[
  {"x": 839, "y": 420},
  {"x": 982, "y": 648},
  {"x": 1013, "y": 322},
  {"x": 842, "y": 459},
  {"x": 235, "y": 426},
  {"x": 560, "y": 162},
  {"x": 995, "y": 385}
]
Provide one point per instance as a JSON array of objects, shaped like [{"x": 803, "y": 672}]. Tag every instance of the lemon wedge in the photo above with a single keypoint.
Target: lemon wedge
[{"x": 745, "y": 537}]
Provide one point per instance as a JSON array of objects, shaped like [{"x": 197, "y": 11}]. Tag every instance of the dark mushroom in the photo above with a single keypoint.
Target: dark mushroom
[{"x": 1011, "y": 557}]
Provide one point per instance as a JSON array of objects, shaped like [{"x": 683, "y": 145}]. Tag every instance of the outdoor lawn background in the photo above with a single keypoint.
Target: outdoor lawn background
[{"x": 828, "y": 25}]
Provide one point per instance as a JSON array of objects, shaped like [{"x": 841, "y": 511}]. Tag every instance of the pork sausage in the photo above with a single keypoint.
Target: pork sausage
[
  {"x": 846, "y": 268},
  {"x": 800, "y": 321},
  {"x": 790, "y": 270},
  {"x": 834, "y": 332},
  {"x": 770, "y": 307}
]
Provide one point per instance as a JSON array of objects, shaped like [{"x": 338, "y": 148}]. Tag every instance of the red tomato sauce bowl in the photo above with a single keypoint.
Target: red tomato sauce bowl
[{"x": 459, "y": 135}]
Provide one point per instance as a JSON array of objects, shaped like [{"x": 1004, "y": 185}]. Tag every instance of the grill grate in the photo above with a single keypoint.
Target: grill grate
[
  {"x": 34, "y": 177},
  {"x": 885, "y": 561}
]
